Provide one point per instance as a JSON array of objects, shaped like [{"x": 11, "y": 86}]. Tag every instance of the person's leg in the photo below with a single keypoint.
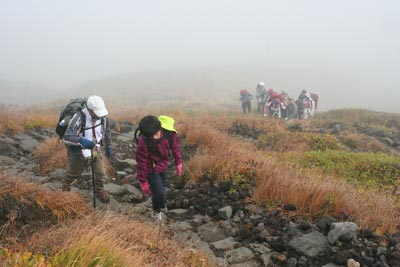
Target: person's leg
[
  {"x": 244, "y": 107},
  {"x": 100, "y": 178},
  {"x": 76, "y": 165},
  {"x": 156, "y": 182}
]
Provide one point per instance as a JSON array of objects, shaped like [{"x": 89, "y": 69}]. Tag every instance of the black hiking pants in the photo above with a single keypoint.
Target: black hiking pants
[
  {"x": 246, "y": 105},
  {"x": 157, "y": 185}
]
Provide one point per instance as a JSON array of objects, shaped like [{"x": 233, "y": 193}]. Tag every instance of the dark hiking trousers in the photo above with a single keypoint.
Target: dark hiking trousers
[
  {"x": 246, "y": 105},
  {"x": 157, "y": 184}
]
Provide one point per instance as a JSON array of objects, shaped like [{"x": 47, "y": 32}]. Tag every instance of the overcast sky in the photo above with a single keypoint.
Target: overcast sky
[{"x": 61, "y": 43}]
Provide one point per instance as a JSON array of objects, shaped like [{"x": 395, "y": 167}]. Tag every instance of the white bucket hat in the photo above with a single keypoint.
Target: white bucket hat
[{"x": 96, "y": 104}]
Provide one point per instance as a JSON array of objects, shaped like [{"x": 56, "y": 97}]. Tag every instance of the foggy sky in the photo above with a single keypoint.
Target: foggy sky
[{"x": 61, "y": 43}]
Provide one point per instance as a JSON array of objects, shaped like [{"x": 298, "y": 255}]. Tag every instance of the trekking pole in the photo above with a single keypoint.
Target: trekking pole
[{"x": 93, "y": 183}]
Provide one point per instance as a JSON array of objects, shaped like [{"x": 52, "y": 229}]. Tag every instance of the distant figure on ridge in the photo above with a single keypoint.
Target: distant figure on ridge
[
  {"x": 245, "y": 98},
  {"x": 261, "y": 94},
  {"x": 291, "y": 110},
  {"x": 306, "y": 105}
]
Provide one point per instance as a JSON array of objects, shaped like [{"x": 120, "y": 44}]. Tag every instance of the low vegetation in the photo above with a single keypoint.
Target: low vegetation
[
  {"x": 17, "y": 119},
  {"x": 387, "y": 122},
  {"x": 51, "y": 154},
  {"x": 26, "y": 205},
  {"x": 279, "y": 180},
  {"x": 297, "y": 141},
  {"x": 77, "y": 236},
  {"x": 340, "y": 174},
  {"x": 368, "y": 169}
]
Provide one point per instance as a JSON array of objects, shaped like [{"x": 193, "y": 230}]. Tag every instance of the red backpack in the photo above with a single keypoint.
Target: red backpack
[{"x": 243, "y": 92}]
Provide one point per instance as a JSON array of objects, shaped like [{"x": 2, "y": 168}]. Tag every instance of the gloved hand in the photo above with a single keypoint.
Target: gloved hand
[
  {"x": 108, "y": 152},
  {"x": 145, "y": 188},
  {"x": 86, "y": 143},
  {"x": 179, "y": 169}
]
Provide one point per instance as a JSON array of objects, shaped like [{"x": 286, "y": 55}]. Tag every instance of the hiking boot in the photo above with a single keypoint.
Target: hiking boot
[
  {"x": 159, "y": 217},
  {"x": 103, "y": 196}
]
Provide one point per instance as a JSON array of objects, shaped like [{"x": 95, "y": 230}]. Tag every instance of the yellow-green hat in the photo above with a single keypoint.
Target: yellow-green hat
[{"x": 167, "y": 123}]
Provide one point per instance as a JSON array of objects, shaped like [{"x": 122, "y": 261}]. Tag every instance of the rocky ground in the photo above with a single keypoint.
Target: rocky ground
[{"x": 212, "y": 217}]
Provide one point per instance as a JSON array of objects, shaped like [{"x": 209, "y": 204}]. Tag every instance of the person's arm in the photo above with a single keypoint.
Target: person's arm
[
  {"x": 71, "y": 136},
  {"x": 175, "y": 149}
]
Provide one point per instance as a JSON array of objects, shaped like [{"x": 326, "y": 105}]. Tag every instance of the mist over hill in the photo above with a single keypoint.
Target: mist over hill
[
  {"x": 24, "y": 93},
  {"x": 216, "y": 87}
]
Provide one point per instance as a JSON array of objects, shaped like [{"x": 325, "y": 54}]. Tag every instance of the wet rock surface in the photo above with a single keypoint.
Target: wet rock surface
[{"x": 212, "y": 217}]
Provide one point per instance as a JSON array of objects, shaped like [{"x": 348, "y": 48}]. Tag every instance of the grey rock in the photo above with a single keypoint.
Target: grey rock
[
  {"x": 27, "y": 143},
  {"x": 245, "y": 264},
  {"x": 114, "y": 189},
  {"x": 381, "y": 250},
  {"x": 310, "y": 244},
  {"x": 121, "y": 174},
  {"x": 178, "y": 211},
  {"x": 127, "y": 163},
  {"x": 259, "y": 248},
  {"x": 135, "y": 194},
  {"x": 58, "y": 174},
  {"x": 264, "y": 234},
  {"x": 239, "y": 255},
  {"x": 181, "y": 226},
  {"x": 292, "y": 262},
  {"x": 225, "y": 244},
  {"x": 8, "y": 146},
  {"x": 124, "y": 138},
  {"x": 129, "y": 170},
  {"x": 267, "y": 259},
  {"x": 342, "y": 230},
  {"x": 211, "y": 232},
  {"x": 225, "y": 213},
  {"x": 331, "y": 265}
]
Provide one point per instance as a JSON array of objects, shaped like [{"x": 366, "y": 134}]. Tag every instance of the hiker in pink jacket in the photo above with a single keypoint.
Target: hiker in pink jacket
[{"x": 157, "y": 139}]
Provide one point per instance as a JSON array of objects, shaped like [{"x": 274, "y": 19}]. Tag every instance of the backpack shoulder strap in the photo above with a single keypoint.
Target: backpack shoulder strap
[{"x": 83, "y": 122}]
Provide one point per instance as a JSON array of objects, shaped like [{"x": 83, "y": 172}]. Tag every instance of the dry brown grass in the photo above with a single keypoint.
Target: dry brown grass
[
  {"x": 27, "y": 202},
  {"x": 11, "y": 120},
  {"x": 61, "y": 205},
  {"x": 360, "y": 142},
  {"x": 51, "y": 154},
  {"x": 113, "y": 240},
  {"x": 17, "y": 119},
  {"x": 277, "y": 181}
]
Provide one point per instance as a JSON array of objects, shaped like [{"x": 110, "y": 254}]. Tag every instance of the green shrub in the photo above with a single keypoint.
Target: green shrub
[
  {"x": 369, "y": 169},
  {"x": 295, "y": 141}
]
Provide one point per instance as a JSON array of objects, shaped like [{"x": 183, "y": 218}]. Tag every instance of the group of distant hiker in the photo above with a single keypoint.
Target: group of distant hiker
[
  {"x": 280, "y": 105},
  {"x": 83, "y": 125}
]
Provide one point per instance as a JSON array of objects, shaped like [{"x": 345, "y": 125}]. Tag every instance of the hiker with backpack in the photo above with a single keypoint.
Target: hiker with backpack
[
  {"x": 291, "y": 110},
  {"x": 245, "y": 98},
  {"x": 156, "y": 141},
  {"x": 260, "y": 96},
  {"x": 306, "y": 105},
  {"x": 85, "y": 135}
]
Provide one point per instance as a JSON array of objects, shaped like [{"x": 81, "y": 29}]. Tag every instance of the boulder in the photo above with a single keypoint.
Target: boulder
[
  {"x": 239, "y": 255},
  {"x": 343, "y": 231},
  {"x": 225, "y": 213},
  {"x": 310, "y": 244},
  {"x": 211, "y": 232}
]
